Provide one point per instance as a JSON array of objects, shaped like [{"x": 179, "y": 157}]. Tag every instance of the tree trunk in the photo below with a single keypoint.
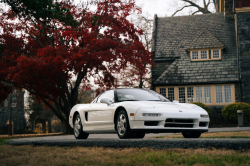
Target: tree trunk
[
  {"x": 68, "y": 129},
  {"x": 216, "y": 6},
  {"x": 32, "y": 126},
  {"x": 49, "y": 126},
  {"x": 44, "y": 126}
]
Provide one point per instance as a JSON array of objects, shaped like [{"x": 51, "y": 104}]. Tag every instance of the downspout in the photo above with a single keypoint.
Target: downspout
[
  {"x": 153, "y": 46},
  {"x": 238, "y": 50}
]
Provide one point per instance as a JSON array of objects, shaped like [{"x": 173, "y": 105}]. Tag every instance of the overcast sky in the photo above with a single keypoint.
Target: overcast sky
[
  {"x": 163, "y": 8},
  {"x": 167, "y": 7}
]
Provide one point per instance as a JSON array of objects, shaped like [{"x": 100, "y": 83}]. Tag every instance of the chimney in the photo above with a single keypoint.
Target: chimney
[{"x": 229, "y": 6}]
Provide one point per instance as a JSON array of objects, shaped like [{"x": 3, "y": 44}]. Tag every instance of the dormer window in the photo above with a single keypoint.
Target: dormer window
[
  {"x": 205, "y": 54},
  {"x": 216, "y": 54},
  {"x": 205, "y": 47},
  {"x": 195, "y": 55}
]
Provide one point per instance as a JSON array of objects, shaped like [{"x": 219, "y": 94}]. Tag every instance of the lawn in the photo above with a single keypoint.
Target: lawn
[
  {"x": 44, "y": 155},
  {"x": 238, "y": 134}
]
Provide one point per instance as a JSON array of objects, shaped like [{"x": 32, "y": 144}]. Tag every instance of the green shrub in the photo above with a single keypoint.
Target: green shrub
[
  {"x": 205, "y": 107},
  {"x": 229, "y": 112}
]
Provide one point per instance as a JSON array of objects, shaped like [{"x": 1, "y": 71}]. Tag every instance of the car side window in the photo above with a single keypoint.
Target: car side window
[{"x": 108, "y": 94}]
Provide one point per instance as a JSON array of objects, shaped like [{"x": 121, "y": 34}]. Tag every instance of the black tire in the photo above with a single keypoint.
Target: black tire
[
  {"x": 78, "y": 132},
  {"x": 191, "y": 134},
  {"x": 122, "y": 125},
  {"x": 139, "y": 135}
]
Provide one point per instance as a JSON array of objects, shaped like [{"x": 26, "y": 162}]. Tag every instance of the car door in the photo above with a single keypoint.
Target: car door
[{"x": 100, "y": 115}]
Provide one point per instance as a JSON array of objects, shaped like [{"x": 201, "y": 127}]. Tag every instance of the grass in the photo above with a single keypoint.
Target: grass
[
  {"x": 42, "y": 155},
  {"x": 238, "y": 134},
  {"x": 2, "y": 140}
]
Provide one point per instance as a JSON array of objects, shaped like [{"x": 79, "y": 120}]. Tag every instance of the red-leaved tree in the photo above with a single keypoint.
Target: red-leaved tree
[{"x": 44, "y": 54}]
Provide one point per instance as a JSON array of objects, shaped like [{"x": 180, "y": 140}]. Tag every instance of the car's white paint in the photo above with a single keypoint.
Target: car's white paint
[{"x": 101, "y": 115}]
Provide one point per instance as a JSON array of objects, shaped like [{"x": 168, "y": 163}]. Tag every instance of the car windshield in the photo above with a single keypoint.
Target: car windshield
[{"x": 139, "y": 95}]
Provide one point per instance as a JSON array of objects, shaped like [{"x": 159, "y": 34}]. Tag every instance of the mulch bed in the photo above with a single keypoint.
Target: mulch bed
[{"x": 29, "y": 135}]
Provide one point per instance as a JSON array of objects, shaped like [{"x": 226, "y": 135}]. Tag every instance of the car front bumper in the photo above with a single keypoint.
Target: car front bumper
[{"x": 174, "y": 121}]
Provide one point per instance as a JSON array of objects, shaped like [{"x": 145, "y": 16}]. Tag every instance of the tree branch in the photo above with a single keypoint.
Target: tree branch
[
  {"x": 203, "y": 10},
  {"x": 181, "y": 9},
  {"x": 204, "y": 3},
  {"x": 208, "y": 3},
  {"x": 195, "y": 12}
]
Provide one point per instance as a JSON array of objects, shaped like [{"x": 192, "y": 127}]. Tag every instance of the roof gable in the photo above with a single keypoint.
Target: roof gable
[{"x": 205, "y": 40}]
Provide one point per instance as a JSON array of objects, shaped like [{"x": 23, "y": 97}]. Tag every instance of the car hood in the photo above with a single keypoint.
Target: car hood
[{"x": 171, "y": 106}]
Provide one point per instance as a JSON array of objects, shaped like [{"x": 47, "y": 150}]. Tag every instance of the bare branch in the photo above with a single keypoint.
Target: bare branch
[
  {"x": 181, "y": 9},
  {"x": 195, "y": 12},
  {"x": 208, "y": 3},
  {"x": 192, "y": 4},
  {"x": 204, "y": 3},
  {"x": 203, "y": 10}
]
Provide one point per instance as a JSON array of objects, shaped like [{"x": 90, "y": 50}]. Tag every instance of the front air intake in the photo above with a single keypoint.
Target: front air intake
[
  {"x": 179, "y": 123},
  {"x": 151, "y": 123}
]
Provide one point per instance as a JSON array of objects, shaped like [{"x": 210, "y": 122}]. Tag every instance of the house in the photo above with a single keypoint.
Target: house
[
  {"x": 18, "y": 119},
  {"x": 204, "y": 58}
]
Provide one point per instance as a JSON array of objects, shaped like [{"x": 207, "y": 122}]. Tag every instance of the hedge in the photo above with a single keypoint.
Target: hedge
[{"x": 229, "y": 112}]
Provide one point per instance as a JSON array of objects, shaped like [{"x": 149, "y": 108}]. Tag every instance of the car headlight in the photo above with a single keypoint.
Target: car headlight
[
  {"x": 204, "y": 116},
  {"x": 149, "y": 114}
]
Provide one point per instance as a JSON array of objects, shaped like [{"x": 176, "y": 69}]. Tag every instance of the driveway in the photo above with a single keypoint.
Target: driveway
[{"x": 112, "y": 140}]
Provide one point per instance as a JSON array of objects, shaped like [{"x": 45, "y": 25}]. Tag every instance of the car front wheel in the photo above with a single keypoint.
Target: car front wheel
[
  {"x": 191, "y": 134},
  {"x": 78, "y": 132},
  {"x": 122, "y": 125}
]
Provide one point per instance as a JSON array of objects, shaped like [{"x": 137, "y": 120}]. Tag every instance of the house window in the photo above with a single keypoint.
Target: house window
[
  {"x": 198, "y": 93},
  {"x": 218, "y": 94},
  {"x": 190, "y": 94},
  {"x": 207, "y": 94},
  {"x": 182, "y": 96},
  {"x": 14, "y": 100},
  {"x": 163, "y": 91},
  {"x": 195, "y": 55},
  {"x": 171, "y": 94},
  {"x": 215, "y": 54},
  {"x": 227, "y": 94},
  {"x": 204, "y": 54}
]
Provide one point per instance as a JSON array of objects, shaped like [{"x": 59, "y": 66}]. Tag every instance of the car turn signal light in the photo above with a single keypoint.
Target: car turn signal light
[
  {"x": 132, "y": 114},
  {"x": 147, "y": 114},
  {"x": 204, "y": 116}
]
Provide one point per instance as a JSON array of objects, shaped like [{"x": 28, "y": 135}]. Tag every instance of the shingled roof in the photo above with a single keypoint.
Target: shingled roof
[
  {"x": 205, "y": 40},
  {"x": 174, "y": 36}
]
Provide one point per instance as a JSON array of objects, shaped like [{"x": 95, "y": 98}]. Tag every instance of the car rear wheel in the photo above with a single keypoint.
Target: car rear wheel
[
  {"x": 78, "y": 132},
  {"x": 191, "y": 134},
  {"x": 122, "y": 125}
]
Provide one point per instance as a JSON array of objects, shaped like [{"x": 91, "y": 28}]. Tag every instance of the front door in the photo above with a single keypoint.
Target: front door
[{"x": 100, "y": 115}]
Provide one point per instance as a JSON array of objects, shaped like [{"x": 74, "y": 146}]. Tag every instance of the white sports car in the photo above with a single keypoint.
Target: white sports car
[{"x": 133, "y": 112}]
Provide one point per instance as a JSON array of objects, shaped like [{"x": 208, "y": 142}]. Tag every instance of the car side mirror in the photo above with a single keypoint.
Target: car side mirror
[
  {"x": 175, "y": 101},
  {"x": 105, "y": 100}
]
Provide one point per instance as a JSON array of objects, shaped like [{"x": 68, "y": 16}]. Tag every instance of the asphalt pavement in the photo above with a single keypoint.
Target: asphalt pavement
[{"x": 112, "y": 140}]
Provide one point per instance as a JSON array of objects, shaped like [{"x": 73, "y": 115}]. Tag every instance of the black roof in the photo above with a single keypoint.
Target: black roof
[{"x": 174, "y": 36}]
